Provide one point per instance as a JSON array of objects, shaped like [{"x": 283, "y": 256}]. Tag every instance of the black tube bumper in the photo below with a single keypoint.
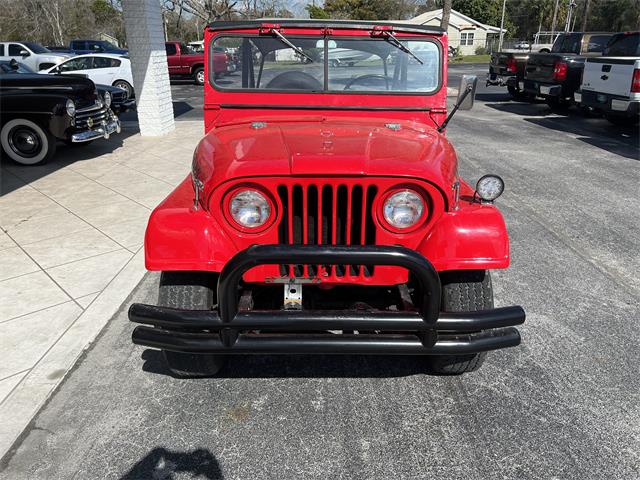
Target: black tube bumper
[{"x": 229, "y": 331}]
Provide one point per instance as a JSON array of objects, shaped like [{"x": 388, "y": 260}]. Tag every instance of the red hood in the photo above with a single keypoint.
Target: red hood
[{"x": 326, "y": 147}]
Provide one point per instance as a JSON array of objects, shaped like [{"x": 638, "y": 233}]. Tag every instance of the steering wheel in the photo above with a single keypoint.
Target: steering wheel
[
  {"x": 362, "y": 77},
  {"x": 293, "y": 80}
]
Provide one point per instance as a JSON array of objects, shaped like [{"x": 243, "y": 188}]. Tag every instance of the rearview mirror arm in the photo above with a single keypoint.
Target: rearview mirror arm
[{"x": 455, "y": 108}]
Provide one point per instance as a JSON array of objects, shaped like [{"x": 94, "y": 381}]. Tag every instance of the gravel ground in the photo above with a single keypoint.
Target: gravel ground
[{"x": 565, "y": 404}]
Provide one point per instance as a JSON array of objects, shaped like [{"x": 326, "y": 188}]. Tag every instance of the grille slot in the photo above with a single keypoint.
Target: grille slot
[
  {"x": 327, "y": 215},
  {"x": 97, "y": 115}
]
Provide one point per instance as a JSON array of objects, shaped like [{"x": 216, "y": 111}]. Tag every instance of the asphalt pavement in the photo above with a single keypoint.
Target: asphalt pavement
[{"x": 565, "y": 404}]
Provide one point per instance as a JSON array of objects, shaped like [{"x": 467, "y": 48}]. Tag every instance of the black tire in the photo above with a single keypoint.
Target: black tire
[
  {"x": 192, "y": 291},
  {"x": 126, "y": 86},
  {"x": 462, "y": 291},
  {"x": 26, "y": 142},
  {"x": 621, "y": 120},
  {"x": 515, "y": 93},
  {"x": 557, "y": 104},
  {"x": 198, "y": 76}
]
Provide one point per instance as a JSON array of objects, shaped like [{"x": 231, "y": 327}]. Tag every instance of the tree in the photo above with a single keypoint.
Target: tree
[
  {"x": 446, "y": 14},
  {"x": 316, "y": 12},
  {"x": 369, "y": 9}
]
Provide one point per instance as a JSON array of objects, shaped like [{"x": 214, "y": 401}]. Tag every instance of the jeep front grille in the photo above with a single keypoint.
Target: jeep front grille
[{"x": 319, "y": 214}]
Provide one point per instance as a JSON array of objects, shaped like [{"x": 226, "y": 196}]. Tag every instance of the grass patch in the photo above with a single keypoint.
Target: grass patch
[{"x": 472, "y": 59}]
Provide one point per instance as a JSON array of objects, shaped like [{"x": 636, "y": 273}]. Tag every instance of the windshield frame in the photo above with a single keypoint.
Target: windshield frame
[{"x": 325, "y": 90}]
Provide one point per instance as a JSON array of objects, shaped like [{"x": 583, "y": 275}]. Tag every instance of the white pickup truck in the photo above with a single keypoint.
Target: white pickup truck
[
  {"x": 611, "y": 83},
  {"x": 33, "y": 55}
]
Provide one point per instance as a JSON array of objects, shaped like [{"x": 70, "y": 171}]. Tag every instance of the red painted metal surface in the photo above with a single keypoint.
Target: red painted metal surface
[{"x": 326, "y": 173}]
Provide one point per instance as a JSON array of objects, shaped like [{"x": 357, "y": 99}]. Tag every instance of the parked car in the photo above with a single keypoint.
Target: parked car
[
  {"x": 611, "y": 83},
  {"x": 33, "y": 55},
  {"x": 507, "y": 68},
  {"x": 556, "y": 76},
  {"x": 324, "y": 213},
  {"x": 113, "y": 97},
  {"x": 116, "y": 98},
  {"x": 39, "y": 110},
  {"x": 543, "y": 41},
  {"x": 185, "y": 62},
  {"x": 81, "y": 47},
  {"x": 102, "y": 68}
]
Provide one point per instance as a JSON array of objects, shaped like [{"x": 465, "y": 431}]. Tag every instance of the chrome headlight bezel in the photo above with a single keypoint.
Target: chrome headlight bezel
[
  {"x": 107, "y": 99},
  {"x": 249, "y": 209},
  {"x": 404, "y": 203},
  {"x": 70, "y": 108},
  {"x": 489, "y": 188}
]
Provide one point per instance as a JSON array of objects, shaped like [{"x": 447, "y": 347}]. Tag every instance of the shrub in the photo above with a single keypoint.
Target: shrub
[{"x": 482, "y": 51}]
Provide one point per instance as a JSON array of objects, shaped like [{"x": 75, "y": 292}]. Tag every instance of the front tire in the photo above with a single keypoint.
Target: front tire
[
  {"x": 190, "y": 291},
  {"x": 462, "y": 291},
  {"x": 26, "y": 142}
]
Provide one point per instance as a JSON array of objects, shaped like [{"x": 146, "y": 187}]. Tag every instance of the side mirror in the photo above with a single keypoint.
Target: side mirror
[
  {"x": 24, "y": 53},
  {"x": 467, "y": 92}
]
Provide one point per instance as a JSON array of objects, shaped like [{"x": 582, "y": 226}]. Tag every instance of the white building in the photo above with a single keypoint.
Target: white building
[{"x": 464, "y": 32}]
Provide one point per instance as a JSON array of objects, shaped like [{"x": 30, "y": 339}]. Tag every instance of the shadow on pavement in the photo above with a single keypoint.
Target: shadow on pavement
[
  {"x": 304, "y": 366},
  {"x": 622, "y": 141},
  {"x": 163, "y": 463},
  {"x": 65, "y": 155}
]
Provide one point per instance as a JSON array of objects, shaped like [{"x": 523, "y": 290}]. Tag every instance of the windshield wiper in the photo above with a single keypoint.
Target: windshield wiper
[
  {"x": 284, "y": 39},
  {"x": 393, "y": 40}
]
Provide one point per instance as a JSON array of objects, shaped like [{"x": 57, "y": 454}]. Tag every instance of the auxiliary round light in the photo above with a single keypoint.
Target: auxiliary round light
[
  {"x": 403, "y": 209},
  {"x": 249, "y": 208},
  {"x": 71, "y": 108},
  {"x": 490, "y": 187},
  {"x": 107, "y": 99}
]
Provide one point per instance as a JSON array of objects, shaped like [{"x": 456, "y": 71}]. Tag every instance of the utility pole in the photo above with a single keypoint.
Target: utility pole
[
  {"x": 567, "y": 25},
  {"x": 504, "y": 4},
  {"x": 585, "y": 15},
  {"x": 555, "y": 18}
]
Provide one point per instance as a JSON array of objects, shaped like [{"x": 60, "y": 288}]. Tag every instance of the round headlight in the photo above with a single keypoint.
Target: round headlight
[
  {"x": 490, "y": 187},
  {"x": 249, "y": 208},
  {"x": 403, "y": 209},
  {"x": 107, "y": 99},
  {"x": 71, "y": 108}
]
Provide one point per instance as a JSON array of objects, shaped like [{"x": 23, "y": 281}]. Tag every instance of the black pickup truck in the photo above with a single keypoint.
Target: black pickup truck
[
  {"x": 507, "y": 68},
  {"x": 556, "y": 76}
]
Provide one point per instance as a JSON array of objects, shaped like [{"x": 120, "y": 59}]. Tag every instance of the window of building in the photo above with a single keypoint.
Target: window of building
[{"x": 466, "y": 38}]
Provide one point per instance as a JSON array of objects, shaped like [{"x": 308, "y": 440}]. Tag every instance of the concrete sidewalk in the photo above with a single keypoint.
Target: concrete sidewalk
[{"x": 70, "y": 231}]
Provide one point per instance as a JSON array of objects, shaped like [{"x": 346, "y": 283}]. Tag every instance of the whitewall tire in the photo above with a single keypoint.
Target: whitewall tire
[{"x": 26, "y": 142}]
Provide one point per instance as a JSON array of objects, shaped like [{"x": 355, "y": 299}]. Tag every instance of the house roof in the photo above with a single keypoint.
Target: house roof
[{"x": 456, "y": 20}]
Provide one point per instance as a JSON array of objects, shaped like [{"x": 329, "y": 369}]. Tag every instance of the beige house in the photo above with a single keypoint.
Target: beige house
[{"x": 464, "y": 32}]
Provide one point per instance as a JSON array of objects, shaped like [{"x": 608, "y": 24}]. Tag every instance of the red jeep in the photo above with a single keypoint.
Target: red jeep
[{"x": 324, "y": 213}]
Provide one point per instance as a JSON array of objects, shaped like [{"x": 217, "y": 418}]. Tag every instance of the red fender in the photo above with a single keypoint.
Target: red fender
[
  {"x": 178, "y": 237},
  {"x": 474, "y": 237}
]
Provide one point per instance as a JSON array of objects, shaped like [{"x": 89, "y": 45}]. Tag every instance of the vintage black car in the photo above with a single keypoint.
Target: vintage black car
[
  {"x": 113, "y": 97},
  {"x": 40, "y": 110}
]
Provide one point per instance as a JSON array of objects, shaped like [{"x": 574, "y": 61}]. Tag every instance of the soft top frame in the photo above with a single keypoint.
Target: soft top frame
[{"x": 326, "y": 24}]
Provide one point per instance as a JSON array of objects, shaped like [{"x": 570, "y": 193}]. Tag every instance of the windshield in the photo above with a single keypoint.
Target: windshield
[
  {"x": 567, "y": 43},
  {"x": 624, "y": 45},
  {"x": 354, "y": 64},
  {"x": 5, "y": 67},
  {"x": 35, "y": 48}
]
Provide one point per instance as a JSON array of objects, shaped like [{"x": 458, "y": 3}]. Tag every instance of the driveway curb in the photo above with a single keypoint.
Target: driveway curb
[{"x": 22, "y": 405}]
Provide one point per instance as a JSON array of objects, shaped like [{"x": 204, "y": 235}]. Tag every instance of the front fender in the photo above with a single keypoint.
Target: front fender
[
  {"x": 474, "y": 237},
  {"x": 178, "y": 237}
]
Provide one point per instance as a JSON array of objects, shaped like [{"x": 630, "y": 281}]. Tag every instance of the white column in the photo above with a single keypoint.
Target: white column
[{"x": 145, "y": 39}]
